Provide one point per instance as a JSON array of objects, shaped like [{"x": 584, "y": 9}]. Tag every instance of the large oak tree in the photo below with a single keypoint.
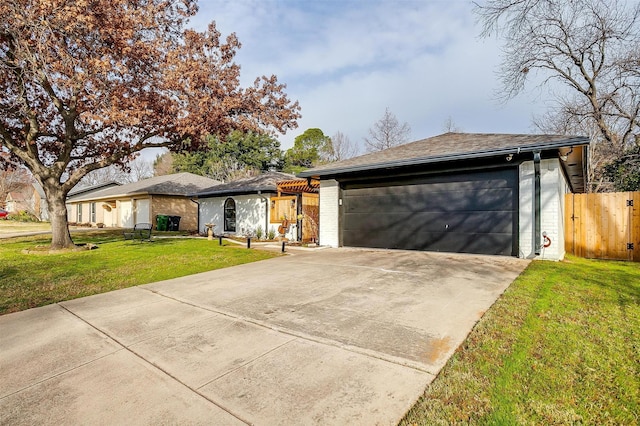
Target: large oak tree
[{"x": 89, "y": 83}]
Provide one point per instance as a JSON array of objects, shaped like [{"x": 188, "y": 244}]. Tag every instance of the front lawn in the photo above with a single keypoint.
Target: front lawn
[
  {"x": 561, "y": 346},
  {"x": 8, "y": 227},
  {"x": 30, "y": 280}
]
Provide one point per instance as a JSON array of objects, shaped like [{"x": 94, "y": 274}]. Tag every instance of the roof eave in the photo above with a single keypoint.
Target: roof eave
[
  {"x": 450, "y": 157},
  {"x": 226, "y": 193}
]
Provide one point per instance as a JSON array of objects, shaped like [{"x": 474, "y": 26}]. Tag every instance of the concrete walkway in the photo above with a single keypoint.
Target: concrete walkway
[{"x": 337, "y": 336}]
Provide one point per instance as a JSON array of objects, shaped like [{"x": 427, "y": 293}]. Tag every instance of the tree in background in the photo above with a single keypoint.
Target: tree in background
[
  {"x": 163, "y": 164},
  {"x": 450, "y": 126},
  {"x": 343, "y": 148},
  {"x": 624, "y": 172},
  {"x": 139, "y": 169},
  {"x": 387, "y": 133},
  {"x": 239, "y": 155},
  {"x": 310, "y": 149},
  {"x": 590, "y": 49},
  {"x": 88, "y": 85}
]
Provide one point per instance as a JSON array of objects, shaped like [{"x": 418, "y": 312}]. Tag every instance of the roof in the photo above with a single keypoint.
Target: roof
[
  {"x": 178, "y": 184},
  {"x": 462, "y": 146},
  {"x": 265, "y": 182},
  {"x": 85, "y": 189}
]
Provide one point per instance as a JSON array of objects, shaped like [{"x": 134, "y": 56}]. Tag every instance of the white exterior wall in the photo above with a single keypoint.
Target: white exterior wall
[
  {"x": 553, "y": 187},
  {"x": 329, "y": 213},
  {"x": 251, "y": 212}
]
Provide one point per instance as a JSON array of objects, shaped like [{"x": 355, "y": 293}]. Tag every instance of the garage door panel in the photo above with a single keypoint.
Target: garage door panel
[
  {"x": 484, "y": 199},
  {"x": 473, "y": 212},
  {"x": 408, "y": 222},
  {"x": 499, "y": 244}
]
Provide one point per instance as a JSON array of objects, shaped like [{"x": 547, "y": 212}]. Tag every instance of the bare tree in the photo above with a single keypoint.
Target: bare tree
[
  {"x": 589, "y": 48},
  {"x": 387, "y": 132},
  {"x": 343, "y": 148},
  {"x": 134, "y": 171},
  {"x": 139, "y": 169},
  {"x": 450, "y": 126}
]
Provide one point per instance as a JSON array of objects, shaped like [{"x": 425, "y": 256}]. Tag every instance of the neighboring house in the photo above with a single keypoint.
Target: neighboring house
[
  {"x": 83, "y": 212},
  {"x": 28, "y": 198},
  {"x": 470, "y": 193},
  {"x": 140, "y": 202},
  {"x": 243, "y": 206}
]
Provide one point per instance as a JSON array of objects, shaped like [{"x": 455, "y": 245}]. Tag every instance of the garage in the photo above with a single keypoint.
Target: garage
[
  {"x": 474, "y": 212},
  {"x": 481, "y": 193}
]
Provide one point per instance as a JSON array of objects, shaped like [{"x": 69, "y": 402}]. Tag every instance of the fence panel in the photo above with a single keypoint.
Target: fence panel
[{"x": 603, "y": 225}]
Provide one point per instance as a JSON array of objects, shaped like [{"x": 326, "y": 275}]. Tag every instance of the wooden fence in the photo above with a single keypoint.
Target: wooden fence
[{"x": 603, "y": 225}]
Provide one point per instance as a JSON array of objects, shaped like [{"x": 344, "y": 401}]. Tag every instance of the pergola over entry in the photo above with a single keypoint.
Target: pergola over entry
[{"x": 298, "y": 202}]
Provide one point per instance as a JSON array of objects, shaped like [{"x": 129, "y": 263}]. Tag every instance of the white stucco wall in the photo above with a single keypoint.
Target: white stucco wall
[
  {"x": 553, "y": 187},
  {"x": 251, "y": 212},
  {"x": 329, "y": 213}
]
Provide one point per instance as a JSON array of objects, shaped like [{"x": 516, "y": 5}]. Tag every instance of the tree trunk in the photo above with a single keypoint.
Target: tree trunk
[{"x": 56, "y": 197}]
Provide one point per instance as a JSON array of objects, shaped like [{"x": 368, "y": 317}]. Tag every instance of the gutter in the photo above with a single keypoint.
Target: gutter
[{"x": 536, "y": 202}]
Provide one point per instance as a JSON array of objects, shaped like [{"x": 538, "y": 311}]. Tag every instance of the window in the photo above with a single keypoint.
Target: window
[
  {"x": 79, "y": 213},
  {"x": 230, "y": 215},
  {"x": 93, "y": 213}
]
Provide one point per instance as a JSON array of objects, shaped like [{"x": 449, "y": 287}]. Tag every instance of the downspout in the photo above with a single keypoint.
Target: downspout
[
  {"x": 198, "y": 215},
  {"x": 536, "y": 212},
  {"x": 266, "y": 212}
]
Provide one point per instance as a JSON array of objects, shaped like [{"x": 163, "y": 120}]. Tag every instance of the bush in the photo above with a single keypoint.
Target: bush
[
  {"x": 259, "y": 233},
  {"x": 23, "y": 216},
  {"x": 272, "y": 234}
]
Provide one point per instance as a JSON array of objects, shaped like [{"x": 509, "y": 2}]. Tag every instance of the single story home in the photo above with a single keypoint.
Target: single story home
[
  {"x": 499, "y": 194},
  {"x": 140, "y": 202},
  {"x": 29, "y": 198},
  {"x": 273, "y": 201}
]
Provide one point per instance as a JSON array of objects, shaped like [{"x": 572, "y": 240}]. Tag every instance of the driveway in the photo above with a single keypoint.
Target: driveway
[{"x": 335, "y": 336}]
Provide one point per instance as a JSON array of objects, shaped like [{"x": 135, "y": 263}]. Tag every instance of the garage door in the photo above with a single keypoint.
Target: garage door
[{"x": 473, "y": 212}]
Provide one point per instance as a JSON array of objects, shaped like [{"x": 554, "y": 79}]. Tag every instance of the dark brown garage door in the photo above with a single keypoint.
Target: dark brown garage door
[{"x": 473, "y": 212}]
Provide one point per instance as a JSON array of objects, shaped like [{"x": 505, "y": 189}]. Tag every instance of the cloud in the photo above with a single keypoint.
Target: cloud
[{"x": 346, "y": 61}]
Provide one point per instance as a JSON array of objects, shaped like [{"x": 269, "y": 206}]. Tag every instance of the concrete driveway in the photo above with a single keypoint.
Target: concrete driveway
[{"x": 335, "y": 336}]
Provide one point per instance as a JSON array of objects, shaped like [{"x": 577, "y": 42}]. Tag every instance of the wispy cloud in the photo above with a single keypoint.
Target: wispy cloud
[{"x": 345, "y": 61}]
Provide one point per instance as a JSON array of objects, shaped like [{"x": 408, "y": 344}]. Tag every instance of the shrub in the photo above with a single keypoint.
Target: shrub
[
  {"x": 23, "y": 216},
  {"x": 272, "y": 234},
  {"x": 259, "y": 233}
]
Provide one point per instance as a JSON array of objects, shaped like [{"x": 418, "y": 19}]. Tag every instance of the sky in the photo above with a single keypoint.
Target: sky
[{"x": 345, "y": 61}]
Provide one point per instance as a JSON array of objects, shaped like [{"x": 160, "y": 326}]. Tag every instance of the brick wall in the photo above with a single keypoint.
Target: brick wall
[
  {"x": 176, "y": 206},
  {"x": 552, "y": 189},
  {"x": 329, "y": 213}
]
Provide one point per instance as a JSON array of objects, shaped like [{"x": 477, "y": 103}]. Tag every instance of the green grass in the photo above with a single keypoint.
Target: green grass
[
  {"x": 31, "y": 280},
  {"x": 561, "y": 346},
  {"x": 8, "y": 227}
]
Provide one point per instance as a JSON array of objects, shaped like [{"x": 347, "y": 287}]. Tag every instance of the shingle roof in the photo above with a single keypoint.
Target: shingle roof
[
  {"x": 76, "y": 191},
  {"x": 447, "y": 147},
  {"x": 179, "y": 184},
  {"x": 266, "y": 182}
]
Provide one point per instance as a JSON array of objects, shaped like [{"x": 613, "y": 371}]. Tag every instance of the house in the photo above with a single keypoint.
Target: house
[
  {"x": 272, "y": 201},
  {"x": 458, "y": 192},
  {"x": 84, "y": 212},
  {"x": 29, "y": 198},
  {"x": 140, "y": 202}
]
